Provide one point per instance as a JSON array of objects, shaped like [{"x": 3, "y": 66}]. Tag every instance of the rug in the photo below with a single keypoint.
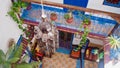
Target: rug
[{"x": 59, "y": 60}]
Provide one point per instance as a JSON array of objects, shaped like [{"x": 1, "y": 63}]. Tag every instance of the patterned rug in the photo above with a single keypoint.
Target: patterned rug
[{"x": 59, "y": 60}]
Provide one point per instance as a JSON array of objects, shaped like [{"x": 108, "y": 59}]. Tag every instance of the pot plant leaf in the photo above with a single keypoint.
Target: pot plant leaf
[
  {"x": 6, "y": 65},
  {"x": 15, "y": 10},
  {"x": 2, "y": 57},
  {"x": 35, "y": 64},
  {"x": 23, "y": 65},
  {"x": 68, "y": 17},
  {"x": 18, "y": 51},
  {"x": 9, "y": 51},
  {"x": 24, "y": 58},
  {"x": 13, "y": 60}
]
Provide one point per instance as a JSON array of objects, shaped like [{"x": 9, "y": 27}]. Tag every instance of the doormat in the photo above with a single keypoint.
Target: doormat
[
  {"x": 59, "y": 60},
  {"x": 90, "y": 64},
  {"x": 112, "y": 3}
]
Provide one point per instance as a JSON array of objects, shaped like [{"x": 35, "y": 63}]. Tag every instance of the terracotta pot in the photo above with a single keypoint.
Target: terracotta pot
[
  {"x": 70, "y": 20},
  {"x": 53, "y": 16}
]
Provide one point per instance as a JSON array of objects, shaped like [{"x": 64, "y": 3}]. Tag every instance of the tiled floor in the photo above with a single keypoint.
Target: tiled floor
[
  {"x": 90, "y": 64},
  {"x": 59, "y": 60}
]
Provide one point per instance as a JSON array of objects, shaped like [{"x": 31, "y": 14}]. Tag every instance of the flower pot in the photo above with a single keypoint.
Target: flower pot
[
  {"x": 53, "y": 16},
  {"x": 70, "y": 20}
]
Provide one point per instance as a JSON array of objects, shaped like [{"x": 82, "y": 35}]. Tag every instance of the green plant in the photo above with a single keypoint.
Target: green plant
[
  {"x": 68, "y": 15},
  {"x": 114, "y": 42},
  {"x": 14, "y": 58},
  {"x": 15, "y": 11},
  {"x": 83, "y": 38},
  {"x": 86, "y": 19}
]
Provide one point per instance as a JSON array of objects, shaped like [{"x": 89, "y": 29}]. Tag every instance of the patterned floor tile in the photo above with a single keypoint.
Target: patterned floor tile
[{"x": 59, "y": 60}]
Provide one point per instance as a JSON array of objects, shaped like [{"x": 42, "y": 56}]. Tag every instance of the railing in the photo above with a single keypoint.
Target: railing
[
  {"x": 113, "y": 15},
  {"x": 98, "y": 34}
]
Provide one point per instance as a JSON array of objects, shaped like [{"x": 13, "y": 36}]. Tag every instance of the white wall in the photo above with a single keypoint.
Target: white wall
[
  {"x": 8, "y": 28},
  {"x": 95, "y": 4},
  {"x": 98, "y": 5}
]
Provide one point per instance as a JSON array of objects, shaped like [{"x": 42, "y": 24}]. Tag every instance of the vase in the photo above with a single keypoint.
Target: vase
[
  {"x": 53, "y": 16},
  {"x": 70, "y": 20}
]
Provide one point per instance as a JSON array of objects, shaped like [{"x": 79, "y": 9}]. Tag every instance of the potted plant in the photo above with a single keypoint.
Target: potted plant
[
  {"x": 68, "y": 17},
  {"x": 86, "y": 22},
  {"x": 53, "y": 16},
  {"x": 17, "y": 5},
  {"x": 14, "y": 58},
  {"x": 15, "y": 11}
]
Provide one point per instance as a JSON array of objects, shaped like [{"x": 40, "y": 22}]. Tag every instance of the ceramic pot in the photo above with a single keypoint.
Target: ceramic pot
[
  {"x": 70, "y": 20},
  {"x": 53, "y": 16}
]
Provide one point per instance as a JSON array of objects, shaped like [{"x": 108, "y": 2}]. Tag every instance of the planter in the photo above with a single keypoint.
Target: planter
[
  {"x": 53, "y": 16},
  {"x": 70, "y": 20}
]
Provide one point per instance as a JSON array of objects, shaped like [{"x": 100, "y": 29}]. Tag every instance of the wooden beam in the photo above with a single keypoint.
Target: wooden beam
[{"x": 113, "y": 15}]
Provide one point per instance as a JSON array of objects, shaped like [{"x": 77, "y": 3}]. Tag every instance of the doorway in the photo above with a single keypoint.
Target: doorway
[{"x": 65, "y": 39}]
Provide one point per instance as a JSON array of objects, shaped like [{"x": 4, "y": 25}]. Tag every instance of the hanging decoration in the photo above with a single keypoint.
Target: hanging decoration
[
  {"x": 112, "y": 49},
  {"x": 46, "y": 36},
  {"x": 114, "y": 42}
]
